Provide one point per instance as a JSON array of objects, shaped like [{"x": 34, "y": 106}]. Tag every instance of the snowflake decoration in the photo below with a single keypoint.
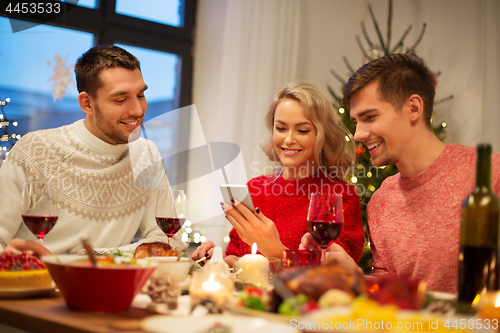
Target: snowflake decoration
[{"x": 61, "y": 77}]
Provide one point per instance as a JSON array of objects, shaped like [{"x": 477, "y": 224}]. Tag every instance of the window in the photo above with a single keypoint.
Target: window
[
  {"x": 161, "y": 11},
  {"x": 26, "y": 77}
]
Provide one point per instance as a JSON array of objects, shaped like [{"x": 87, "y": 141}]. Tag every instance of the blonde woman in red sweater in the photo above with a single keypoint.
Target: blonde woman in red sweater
[{"x": 313, "y": 153}]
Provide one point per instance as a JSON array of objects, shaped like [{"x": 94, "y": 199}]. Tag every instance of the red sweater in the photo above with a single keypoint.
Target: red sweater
[{"x": 286, "y": 203}]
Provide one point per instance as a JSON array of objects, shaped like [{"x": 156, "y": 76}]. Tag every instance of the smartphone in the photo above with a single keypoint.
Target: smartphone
[{"x": 238, "y": 192}]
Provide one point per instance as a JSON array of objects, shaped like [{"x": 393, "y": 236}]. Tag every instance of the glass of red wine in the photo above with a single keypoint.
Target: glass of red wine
[
  {"x": 325, "y": 219},
  {"x": 170, "y": 211},
  {"x": 39, "y": 207}
]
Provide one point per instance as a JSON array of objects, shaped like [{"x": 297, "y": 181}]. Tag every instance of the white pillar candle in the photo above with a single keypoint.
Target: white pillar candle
[{"x": 254, "y": 268}]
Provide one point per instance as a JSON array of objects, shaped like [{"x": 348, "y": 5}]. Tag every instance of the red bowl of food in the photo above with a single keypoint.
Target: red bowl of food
[{"x": 111, "y": 286}]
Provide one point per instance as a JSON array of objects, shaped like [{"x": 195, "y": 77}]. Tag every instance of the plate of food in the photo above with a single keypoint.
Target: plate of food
[
  {"x": 25, "y": 292},
  {"x": 296, "y": 292}
]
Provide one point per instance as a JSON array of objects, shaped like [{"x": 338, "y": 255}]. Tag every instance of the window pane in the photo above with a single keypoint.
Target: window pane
[
  {"x": 159, "y": 70},
  {"x": 84, "y": 3},
  {"x": 161, "y": 11},
  {"x": 27, "y": 57}
]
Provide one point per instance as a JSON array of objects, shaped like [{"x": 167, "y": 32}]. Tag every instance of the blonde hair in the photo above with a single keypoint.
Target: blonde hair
[{"x": 334, "y": 146}]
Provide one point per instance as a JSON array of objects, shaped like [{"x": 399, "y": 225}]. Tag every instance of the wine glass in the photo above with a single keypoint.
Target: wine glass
[
  {"x": 39, "y": 207},
  {"x": 325, "y": 219},
  {"x": 170, "y": 211}
]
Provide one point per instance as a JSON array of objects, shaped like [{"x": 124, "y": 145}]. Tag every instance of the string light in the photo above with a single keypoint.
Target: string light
[
  {"x": 341, "y": 110},
  {"x": 192, "y": 233},
  {"x": 443, "y": 124},
  {"x": 5, "y": 137}
]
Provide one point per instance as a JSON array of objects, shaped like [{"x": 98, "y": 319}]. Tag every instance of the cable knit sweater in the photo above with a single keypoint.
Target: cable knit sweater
[
  {"x": 414, "y": 223},
  {"x": 286, "y": 203},
  {"x": 96, "y": 191}
]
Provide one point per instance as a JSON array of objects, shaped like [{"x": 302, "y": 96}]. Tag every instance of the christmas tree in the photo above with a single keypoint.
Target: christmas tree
[
  {"x": 366, "y": 177},
  {"x": 7, "y": 139}
]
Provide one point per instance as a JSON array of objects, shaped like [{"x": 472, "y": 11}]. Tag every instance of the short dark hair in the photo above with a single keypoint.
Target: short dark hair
[
  {"x": 91, "y": 63},
  {"x": 399, "y": 76}
]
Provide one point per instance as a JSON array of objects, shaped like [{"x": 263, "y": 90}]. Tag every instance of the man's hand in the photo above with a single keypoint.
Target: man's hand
[
  {"x": 27, "y": 246},
  {"x": 335, "y": 254}
]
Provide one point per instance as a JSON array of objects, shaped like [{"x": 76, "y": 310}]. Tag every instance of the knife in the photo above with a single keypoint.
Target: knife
[{"x": 280, "y": 288}]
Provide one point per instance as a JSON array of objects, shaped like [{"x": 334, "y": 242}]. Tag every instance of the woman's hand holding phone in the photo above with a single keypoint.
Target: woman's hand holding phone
[{"x": 254, "y": 227}]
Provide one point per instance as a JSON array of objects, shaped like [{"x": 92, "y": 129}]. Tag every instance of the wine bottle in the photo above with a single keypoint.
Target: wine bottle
[{"x": 479, "y": 246}]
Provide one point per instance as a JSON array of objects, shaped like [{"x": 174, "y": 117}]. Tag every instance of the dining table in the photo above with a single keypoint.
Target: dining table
[{"x": 49, "y": 313}]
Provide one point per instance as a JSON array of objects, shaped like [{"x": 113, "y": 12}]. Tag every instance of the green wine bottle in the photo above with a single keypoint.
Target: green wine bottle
[{"x": 479, "y": 246}]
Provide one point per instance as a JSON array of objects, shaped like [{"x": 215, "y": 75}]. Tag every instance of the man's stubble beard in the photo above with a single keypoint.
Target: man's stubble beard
[{"x": 107, "y": 128}]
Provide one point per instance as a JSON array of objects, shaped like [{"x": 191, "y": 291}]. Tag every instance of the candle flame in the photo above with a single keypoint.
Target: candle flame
[
  {"x": 497, "y": 303},
  {"x": 211, "y": 285},
  {"x": 254, "y": 248}
]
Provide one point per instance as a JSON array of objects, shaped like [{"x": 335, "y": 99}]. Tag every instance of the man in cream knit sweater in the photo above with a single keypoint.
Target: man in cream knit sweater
[
  {"x": 414, "y": 218},
  {"x": 88, "y": 163}
]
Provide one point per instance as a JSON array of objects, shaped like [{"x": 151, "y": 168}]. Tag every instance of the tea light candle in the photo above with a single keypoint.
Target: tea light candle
[{"x": 254, "y": 268}]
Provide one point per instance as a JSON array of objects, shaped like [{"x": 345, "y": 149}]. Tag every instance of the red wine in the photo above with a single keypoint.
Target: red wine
[
  {"x": 324, "y": 232},
  {"x": 39, "y": 225},
  {"x": 170, "y": 225}
]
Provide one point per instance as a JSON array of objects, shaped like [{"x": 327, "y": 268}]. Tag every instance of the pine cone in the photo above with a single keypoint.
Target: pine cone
[{"x": 164, "y": 288}]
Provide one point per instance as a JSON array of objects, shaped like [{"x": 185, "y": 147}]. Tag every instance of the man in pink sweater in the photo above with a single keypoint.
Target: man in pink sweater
[{"x": 414, "y": 217}]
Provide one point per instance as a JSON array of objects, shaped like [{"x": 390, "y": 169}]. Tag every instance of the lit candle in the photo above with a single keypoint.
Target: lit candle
[
  {"x": 254, "y": 268},
  {"x": 490, "y": 307}
]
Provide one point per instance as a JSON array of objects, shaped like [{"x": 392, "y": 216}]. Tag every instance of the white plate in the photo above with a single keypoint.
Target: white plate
[
  {"x": 441, "y": 296},
  {"x": 240, "y": 324},
  {"x": 20, "y": 293}
]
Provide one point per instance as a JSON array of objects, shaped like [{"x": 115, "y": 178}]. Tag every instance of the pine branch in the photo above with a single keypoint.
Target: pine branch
[
  {"x": 363, "y": 28},
  {"x": 401, "y": 40},
  {"x": 338, "y": 77},
  {"x": 348, "y": 65},
  {"x": 442, "y": 100},
  {"x": 361, "y": 46},
  {"x": 412, "y": 49},
  {"x": 335, "y": 96},
  {"x": 389, "y": 27},
  {"x": 375, "y": 23}
]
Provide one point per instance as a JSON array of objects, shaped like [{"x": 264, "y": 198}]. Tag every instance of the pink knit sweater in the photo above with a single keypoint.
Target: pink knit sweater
[{"x": 414, "y": 223}]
